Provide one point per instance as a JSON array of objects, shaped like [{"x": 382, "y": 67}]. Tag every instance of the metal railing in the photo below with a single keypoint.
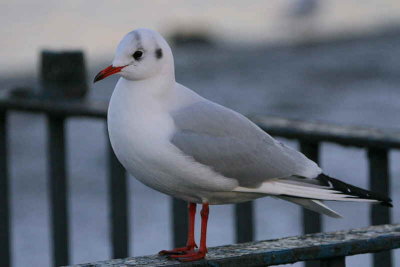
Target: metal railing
[
  {"x": 377, "y": 143},
  {"x": 309, "y": 134}
]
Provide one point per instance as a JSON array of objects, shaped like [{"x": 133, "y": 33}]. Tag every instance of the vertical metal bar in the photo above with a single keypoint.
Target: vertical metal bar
[
  {"x": 334, "y": 262},
  {"x": 5, "y": 251},
  {"x": 179, "y": 222},
  {"x": 118, "y": 206},
  {"x": 379, "y": 182},
  {"x": 58, "y": 190},
  {"x": 311, "y": 220},
  {"x": 244, "y": 220}
]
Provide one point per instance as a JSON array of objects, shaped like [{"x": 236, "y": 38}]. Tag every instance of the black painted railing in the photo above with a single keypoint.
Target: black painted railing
[
  {"x": 58, "y": 110},
  {"x": 377, "y": 142}
]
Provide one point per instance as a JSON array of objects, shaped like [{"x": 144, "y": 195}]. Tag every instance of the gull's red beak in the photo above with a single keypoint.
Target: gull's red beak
[{"x": 110, "y": 70}]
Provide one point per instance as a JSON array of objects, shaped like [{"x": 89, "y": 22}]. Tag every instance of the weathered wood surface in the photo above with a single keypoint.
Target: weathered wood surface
[{"x": 281, "y": 251}]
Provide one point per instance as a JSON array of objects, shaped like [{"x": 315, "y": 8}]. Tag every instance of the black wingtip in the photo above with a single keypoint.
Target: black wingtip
[
  {"x": 352, "y": 190},
  {"x": 387, "y": 203}
]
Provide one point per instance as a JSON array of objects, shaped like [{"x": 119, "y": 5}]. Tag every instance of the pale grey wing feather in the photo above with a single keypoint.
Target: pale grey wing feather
[
  {"x": 312, "y": 204},
  {"x": 235, "y": 147}
]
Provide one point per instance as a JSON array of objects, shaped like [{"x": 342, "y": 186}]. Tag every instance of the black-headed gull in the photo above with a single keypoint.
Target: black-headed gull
[{"x": 186, "y": 146}]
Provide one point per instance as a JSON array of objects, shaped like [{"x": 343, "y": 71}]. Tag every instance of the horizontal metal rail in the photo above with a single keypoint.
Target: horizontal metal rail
[
  {"x": 330, "y": 248},
  {"x": 67, "y": 108},
  {"x": 288, "y": 128},
  {"x": 328, "y": 132}
]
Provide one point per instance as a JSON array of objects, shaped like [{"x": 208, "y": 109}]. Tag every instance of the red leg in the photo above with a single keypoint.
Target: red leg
[
  {"x": 190, "y": 244},
  {"x": 201, "y": 253}
]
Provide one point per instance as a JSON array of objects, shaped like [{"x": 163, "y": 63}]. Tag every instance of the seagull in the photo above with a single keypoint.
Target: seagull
[{"x": 181, "y": 144}]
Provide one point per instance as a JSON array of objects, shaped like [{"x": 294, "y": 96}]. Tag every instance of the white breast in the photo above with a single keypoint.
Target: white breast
[
  {"x": 134, "y": 124},
  {"x": 140, "y": 128}
]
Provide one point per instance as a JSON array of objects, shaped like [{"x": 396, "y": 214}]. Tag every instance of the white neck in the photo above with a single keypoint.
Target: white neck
[{"x": 156, "y": 86}]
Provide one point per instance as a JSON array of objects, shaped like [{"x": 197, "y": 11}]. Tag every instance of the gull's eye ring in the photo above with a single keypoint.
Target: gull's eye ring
[{"x": 137, "y": 55}]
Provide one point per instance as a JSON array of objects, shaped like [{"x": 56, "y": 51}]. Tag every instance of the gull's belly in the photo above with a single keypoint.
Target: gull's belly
[
  {"x": 139, "y": 145},
  {"x": 140, "y": 140}
]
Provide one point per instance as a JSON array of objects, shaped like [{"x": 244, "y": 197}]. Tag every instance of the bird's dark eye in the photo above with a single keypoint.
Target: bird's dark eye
[{"x": 137, "y": 55}]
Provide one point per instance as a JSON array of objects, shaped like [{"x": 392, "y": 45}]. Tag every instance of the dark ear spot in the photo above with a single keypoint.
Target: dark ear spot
[
  {"x": 138, "y": 38},
  {"x": 159, "y": 53}
]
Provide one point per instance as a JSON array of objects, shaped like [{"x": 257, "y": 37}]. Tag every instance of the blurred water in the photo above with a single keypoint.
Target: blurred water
[{"x": 354, "y": 82}]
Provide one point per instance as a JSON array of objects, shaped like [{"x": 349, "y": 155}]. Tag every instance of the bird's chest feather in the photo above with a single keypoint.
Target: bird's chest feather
[{"x": 139, "y": 132}]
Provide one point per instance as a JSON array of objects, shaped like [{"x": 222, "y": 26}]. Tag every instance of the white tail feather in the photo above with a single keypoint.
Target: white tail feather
[
  {"x": 279, "y": 188},
  {"x": 314, "y": 205}
]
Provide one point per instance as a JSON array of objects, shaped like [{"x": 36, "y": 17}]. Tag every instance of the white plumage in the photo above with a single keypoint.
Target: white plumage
[{"x": 184, "y": 145}]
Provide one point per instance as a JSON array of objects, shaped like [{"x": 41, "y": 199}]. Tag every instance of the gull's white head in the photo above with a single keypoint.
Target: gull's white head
[{"x": 141, "y": 54}]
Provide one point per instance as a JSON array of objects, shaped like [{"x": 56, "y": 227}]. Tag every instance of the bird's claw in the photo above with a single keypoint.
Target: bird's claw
[
  {"x": 179, "y": 251},
  {"x": 191, "y": 256}
]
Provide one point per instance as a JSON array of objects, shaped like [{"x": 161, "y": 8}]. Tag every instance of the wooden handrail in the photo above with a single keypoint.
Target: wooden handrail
[{"x": 328, "y": 247}]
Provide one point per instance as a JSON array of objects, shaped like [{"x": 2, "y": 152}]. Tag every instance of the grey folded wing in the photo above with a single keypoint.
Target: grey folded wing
[{"x": 233, "y": 146}]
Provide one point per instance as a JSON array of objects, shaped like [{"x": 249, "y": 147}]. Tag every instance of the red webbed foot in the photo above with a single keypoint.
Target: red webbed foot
[
  {"x": 179, "y": 251},
  {"x": 192, "y": 256},
  {"x": 189, "y": 253}
]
